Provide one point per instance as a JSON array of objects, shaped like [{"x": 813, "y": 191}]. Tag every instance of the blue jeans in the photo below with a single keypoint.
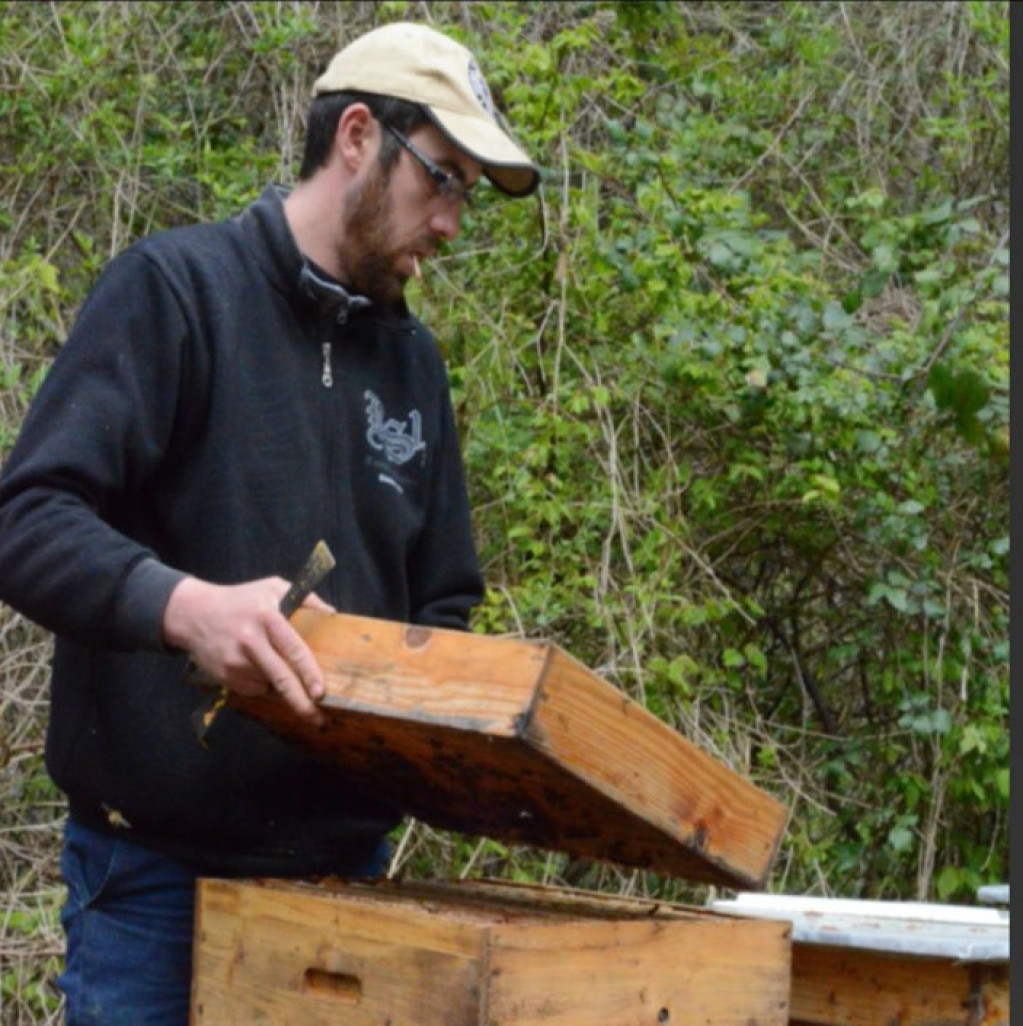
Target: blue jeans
[{"x": 129, "y": 918}]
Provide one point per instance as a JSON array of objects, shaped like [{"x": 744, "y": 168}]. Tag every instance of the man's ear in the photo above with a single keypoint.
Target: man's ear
[{"x": 357, "y": 136}]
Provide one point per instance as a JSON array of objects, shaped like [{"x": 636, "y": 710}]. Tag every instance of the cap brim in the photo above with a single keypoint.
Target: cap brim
[{"x": 503, "y": 162}]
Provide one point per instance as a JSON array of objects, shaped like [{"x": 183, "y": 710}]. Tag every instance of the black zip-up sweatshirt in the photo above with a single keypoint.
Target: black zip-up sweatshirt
[{"x": 217, "y": 409}]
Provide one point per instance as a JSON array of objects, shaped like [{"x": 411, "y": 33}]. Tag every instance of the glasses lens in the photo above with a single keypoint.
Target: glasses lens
[{"x": 453, "y": 188}]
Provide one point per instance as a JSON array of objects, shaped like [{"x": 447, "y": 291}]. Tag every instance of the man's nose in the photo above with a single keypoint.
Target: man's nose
[{"x": 446, "y": 220}]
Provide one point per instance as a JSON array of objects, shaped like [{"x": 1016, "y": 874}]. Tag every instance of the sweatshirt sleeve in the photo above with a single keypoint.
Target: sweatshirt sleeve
[
  {"x": 444, "y": 575},
  {"x": 77, "y": 476}
]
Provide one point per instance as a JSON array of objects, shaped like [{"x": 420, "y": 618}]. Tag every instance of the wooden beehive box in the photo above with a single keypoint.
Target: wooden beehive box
[
  {"x": 435, "y": 954},
  {"x": 518, "y": 741},
  {"x": 860, "y": 963}
]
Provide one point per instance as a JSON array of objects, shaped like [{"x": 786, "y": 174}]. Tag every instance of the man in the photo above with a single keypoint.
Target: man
[{"x": 229, "y": 395}]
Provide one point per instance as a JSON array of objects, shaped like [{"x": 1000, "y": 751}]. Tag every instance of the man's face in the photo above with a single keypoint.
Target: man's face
[{"x": 395, "y": 219}]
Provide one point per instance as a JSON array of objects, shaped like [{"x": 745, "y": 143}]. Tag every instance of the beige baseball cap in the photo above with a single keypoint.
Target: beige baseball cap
[{"x": 416, "y": 63}]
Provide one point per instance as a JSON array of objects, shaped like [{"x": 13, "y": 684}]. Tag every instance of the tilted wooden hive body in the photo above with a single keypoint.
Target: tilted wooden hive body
[
  {"x": 518, "y": 741},
  {"x": 435, "y": 954}
]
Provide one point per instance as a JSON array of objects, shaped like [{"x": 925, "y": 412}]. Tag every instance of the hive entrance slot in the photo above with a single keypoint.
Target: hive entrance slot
[{"x": 338, "y": 986}]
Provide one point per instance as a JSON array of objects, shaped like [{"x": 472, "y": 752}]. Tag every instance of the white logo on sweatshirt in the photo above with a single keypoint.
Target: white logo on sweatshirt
[{"x": 398, "y": 440}]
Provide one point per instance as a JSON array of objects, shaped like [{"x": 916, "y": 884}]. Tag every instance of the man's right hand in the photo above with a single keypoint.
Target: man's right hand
[{"x": 237, "y": 635}]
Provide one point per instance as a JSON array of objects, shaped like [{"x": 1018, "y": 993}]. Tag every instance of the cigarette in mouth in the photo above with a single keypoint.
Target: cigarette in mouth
[{"x": 415, "y": 267}]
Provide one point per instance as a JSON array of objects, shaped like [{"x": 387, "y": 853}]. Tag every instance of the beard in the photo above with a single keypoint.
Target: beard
[{"x": 369, "y": 257}]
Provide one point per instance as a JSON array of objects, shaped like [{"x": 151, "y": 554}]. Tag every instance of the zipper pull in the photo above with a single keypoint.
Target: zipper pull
[{"x": 328, "y": 374}]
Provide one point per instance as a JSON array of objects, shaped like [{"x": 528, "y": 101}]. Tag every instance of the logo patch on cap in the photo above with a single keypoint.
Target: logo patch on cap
[{"x": 480, "y": 89}]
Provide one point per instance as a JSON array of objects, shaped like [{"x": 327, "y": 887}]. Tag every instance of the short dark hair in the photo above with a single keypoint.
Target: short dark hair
[{"x": 325, "y": 113}]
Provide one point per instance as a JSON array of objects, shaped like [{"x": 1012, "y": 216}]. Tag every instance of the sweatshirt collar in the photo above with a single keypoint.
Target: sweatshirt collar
[{"x": 294, "y": 274}]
